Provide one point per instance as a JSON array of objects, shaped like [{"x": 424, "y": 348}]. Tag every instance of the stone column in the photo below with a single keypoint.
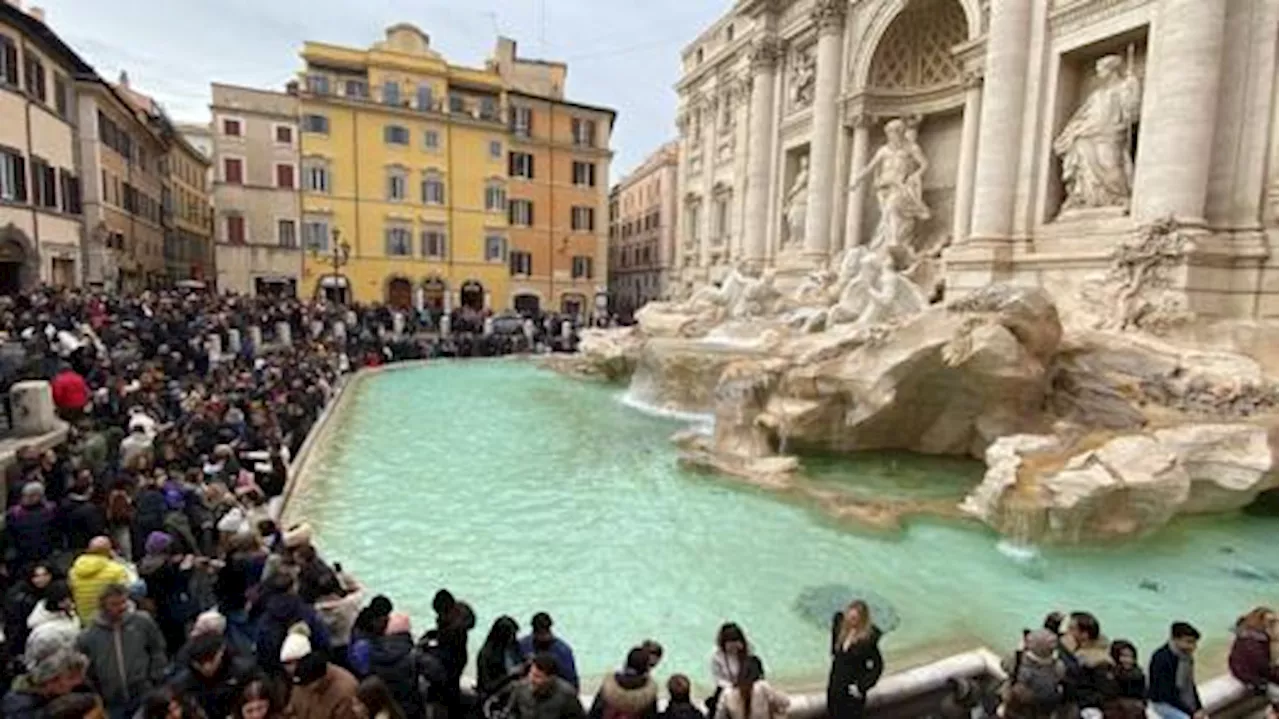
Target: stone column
[
  {"x": 1176, "y": 138},
  {"x": 968, "y": 156},
  {"x": 857, "y": 195},
  {"x": 828, "y": 15},
  {"x": 764, "y": 64},
  {"x": 1000, "y": 132}
]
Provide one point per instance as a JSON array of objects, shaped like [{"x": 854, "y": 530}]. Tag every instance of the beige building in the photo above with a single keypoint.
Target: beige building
[
  {"x": 642, "y": 221},
  {"x": 41, "y": 222},
  {"x": 256, "y": 196},
  {"x": 1035, "y": 141}
]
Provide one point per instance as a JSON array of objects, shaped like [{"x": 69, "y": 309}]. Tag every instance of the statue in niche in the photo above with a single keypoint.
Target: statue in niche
[
  {"x": 1097, "y": 170},
  {"x": 899, "y": 166},
  {"x": 796, "y": 204},
  {"x": 803, "y": 77}
]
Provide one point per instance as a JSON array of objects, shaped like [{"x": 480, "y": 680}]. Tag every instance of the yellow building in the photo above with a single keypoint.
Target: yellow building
[{"x": 404, "y": 156}]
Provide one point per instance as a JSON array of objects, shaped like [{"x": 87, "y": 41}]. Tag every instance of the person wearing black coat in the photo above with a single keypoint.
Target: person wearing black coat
[
  {"x": 81, "y": 518},
  {"x": 856, "y": 663},
  {"x": 392, "y": 659},
  {"x": 214, "y": 676},
  {"x": 19, "y": 601}
]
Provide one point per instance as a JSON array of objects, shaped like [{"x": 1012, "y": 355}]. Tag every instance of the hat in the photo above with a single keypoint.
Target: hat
[
  {"x": 1041, "y": 643},
  {"x": 33, "y": 488},
  {"x": 158, "y": 543},
  {"x": 297, "y": 535},
  {"x": 398, "y": 623},
  {"x": 210, "y": 622},
  {"x": 203, "y": 647},
  {"x": 310, "y": 669},
  {"x": 297, "y": 644}
]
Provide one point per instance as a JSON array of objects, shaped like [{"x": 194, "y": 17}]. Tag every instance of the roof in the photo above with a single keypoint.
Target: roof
[
  {"x": 612, "y": 113},
  {"x": 47, "y": 38}
]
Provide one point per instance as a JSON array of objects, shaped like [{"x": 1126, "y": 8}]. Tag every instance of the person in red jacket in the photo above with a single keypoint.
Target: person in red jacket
[{"x": 70, "y": 393}]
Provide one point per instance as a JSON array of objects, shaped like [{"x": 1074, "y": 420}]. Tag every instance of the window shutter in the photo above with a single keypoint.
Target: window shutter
[
  {"x": 20, "y": 178},
  {"x": 530, "y": 166},
  {"x": 529, "y": 205},
  {"x": 10, "y": 62},
  {"x": 511, "y": 164}
]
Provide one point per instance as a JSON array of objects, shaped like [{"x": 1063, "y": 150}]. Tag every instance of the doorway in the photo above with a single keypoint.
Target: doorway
[
  {"x": 472, "y": 295},
  {"x": 527, "y": 305},
  {"x": 400, "y": 293}
]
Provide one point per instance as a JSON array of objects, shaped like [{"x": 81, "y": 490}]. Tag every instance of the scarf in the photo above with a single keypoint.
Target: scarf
[{"x": 1185, "y": 678}]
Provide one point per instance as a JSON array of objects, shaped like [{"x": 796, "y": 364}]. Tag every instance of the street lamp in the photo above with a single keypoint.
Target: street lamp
[{"x": 339, "y": 255}]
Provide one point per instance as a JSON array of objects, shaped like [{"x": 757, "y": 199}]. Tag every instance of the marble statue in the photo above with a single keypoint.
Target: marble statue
[
  {"x": 899, "y": 167},
  {"x": 802, "y": 80},
  {"x": 876, "y": 294},
  {"x": 816, "y": 287},
  {"x": 711, "y": 297},
  {"x": 1097, "y": 169},
  {"x": 796, "y": 205},
  {"x": 757, "y": 298}
]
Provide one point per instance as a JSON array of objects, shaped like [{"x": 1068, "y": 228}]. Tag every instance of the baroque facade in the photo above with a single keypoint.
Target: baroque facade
[
  {"x": 1032, "y": 141},
  {"x": 642, "y": 240}
]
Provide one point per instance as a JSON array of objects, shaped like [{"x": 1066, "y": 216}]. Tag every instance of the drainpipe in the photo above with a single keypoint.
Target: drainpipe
[{"x": 35, "y": 215}]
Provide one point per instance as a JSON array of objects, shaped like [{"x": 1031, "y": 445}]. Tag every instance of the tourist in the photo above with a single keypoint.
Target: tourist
[
  {"x": 259, "y": 699},
  {"x": 52, "y": 671},
  {"x": 1089, "y": 682},
  {"x": 856, "y": 662},
  {"x": 393, "y": 660},
  {"x": 54, "y": 618},
  {"x": 337, "y": 601},
  {"x": 655, "y": 653},
  {"x": 627, "y": 694},
  {"x": 1253, "y": 651},
  {"x": 70, "y": 393},
  {"x": 679, "y": 703},
  {"x": 125, "y": 650},
  {"x": 80, "y": 517},
  {"x": 370, "y": 622},
  {"x": 282, "y": 608},
  {"x": 21, "y": 599},
  {"x": 214, "y": 676},
  {"x": 167, "y": 575},
  {"x": 374, "y": 700},
  {"x": 76, "y": 705},
  {"x": 544, "y": 693},
  {"x": 91, "y": 573},
  {"x": 499, "y": 661},
  {"x": 1130, "y": 700},
  {"x": 321, "y": 690},
  {"x": 30, "y": 528},
  {"x": 1172, "y": 676},
  {"x": 454, "y": 620},
  {"x": 732, "y": 649},
  {"x": 1034, "y": 687},
  {"x": 165, "y": 703},
  {"x": 752, "y": 697},
  {"x": 542, "y": 640}
]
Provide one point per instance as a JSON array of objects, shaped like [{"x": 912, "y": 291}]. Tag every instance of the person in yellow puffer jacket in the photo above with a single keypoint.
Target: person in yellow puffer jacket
[{"x": 91, "y": 573}]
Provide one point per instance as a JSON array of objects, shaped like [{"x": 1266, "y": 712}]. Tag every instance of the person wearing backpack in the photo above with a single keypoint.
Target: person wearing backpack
[
  {"x": 1034, "y": 689},
  {"x": 628, "y": 694}
]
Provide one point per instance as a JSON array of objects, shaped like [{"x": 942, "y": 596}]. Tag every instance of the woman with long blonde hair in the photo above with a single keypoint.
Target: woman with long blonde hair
[{"x": 856, "y": 663}]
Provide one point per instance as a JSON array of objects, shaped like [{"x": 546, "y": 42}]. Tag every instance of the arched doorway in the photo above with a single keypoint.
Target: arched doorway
[
  {"x": 572, "y": 304},
  {"x": 334, "y": 288},
  {"x": 472, "y": 295},
  {"x": 399, "y": 293},
  {"x": 434, "y": 292},
  {"x": 18, "y": 269},
  {"x": 527, "y": 304}
]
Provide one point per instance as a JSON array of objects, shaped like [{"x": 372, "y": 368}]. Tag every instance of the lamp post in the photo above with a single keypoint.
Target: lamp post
[{"x": 339, "y": 255}]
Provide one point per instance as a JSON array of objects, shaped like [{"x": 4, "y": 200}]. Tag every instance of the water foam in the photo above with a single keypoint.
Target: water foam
[{"x": 632, "y": 399}]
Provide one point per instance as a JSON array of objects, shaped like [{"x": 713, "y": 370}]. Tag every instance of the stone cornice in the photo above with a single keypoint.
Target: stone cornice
[
  {"x": 828, "y": 15},
  {"x": 766, "y": 51},
  {"x": 1072, "y": 16}
]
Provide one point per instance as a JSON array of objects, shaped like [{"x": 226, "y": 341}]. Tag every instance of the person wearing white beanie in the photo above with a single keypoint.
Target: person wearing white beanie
[{"x": 297, "y": 644}]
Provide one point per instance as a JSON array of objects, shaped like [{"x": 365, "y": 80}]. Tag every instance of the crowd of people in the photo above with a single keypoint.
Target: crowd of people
[{"x": 145, "y": 574}]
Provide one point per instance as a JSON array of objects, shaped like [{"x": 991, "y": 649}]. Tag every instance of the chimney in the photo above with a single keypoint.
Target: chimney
[
  {"x": 36, "y": 12},
  {"x": 124, "y": 79}
]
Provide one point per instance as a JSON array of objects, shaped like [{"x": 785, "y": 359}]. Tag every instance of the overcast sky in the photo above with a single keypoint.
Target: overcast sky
[{"x": 622, "y": 54}]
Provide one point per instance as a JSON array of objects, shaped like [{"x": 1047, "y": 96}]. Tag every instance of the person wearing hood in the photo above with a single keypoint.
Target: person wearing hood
[
  {"x": 1034, "y": 687},
  {"x": 79, "y": 516},
  {"x": 31, "y": 527},
  {"x": 320, "y": 690},
  {"x": 1253, "y": 652},
  {"x": 499, "y": 661},
  {"x": 91, "y": 573},
  {"x": 281, "y": 609},
  {"x": 54, "y": 618},
  {"x": 52, "y": 671},
  {"x": 543, "y": 694},
  {"x": 856, "y": 663},
  {"x": 1172, "y": 675},
  {"x": 20, "y": 601},
  {"x": 628, "y": 694},
  {"x": 1090, "y": 672},
  {"x": 393, "y": 660},
  {"x": 125, "y": 650},
  {"x": 752, "y": 697},
  {"x": 454, "y": 620},
  {"x": 168, "y": 579},
  {"x": 214, "y": 677}
]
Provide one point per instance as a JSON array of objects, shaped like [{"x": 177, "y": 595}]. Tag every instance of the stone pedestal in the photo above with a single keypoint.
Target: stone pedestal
[
  {"x": 284, "y": 334},
  {"x": 33, "y": 412}
]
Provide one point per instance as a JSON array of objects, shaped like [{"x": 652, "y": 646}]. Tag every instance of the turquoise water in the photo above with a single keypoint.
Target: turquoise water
[{"x": 523, "y": 491}]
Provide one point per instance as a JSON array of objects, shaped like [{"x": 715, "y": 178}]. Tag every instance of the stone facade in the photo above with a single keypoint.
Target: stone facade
[
  {"x": 1036, "y": 140},
  {"x": 642, "y": 217}
]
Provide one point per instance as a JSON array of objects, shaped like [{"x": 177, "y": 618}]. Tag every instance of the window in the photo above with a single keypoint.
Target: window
[
  {"x": 722, "y": 217},
  {"x": 495, "y": 149},
  {"x": 316, "y": 177},
  {"x": 495, "y": 197},
  {"x": 395, "y": 135},
  {"x": 399, "y": 242},
  {"x": 495, "y": 248},
  {"x": 358, "y": 89},
  {"x": 520, "y": 164},
  {"x": 315, "y": 123},
  {"x": 728, "y": 34},
  {"x": 583, "y": 219},
  {"x": 34, "y": 71},
  {"x": 582, "y": 267},
  {"x": 44, "y": 184},
  {"x": 233, "y": 170},
  {"x": 431, "y": 140},
  {"x": 695, "y": 227},
  {"x": 457, "y": 103},
  {"x": 284, "y": 177},
  {"x": 584, "y": 132},
  {"x": 521, "y": 263},
  {"x": 697, "y": 57},
  {"x": 61, "y": 97},
  {"x": 231, "y": 128},
  {"x": 70, "y": 192},
  {"x": 315, "y": 235},
  {"x": 318, "y": 84},
  {"x": 433, "y": 242},
  {"x": 287, "y": 233},
  {"x": 423, "y": 97},
  {"x": 489, "y": 109},
  {"x": 584, "y": 174},
  {"x": 396, "y": 185},
  {"x": 520, "y": 212},
  {"x": 284, "y": 134},
  {"x": 8, "y": 61},
  {"x": 235, "y": 229},
  {"x": 391, "y": 92},
  {"x": 522, "y": 121},
  {"x": 432, "y": 189},
  {"x": 13, "y": 177}
]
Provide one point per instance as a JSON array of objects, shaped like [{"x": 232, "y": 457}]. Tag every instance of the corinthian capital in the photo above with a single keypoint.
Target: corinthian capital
[
  {"x": 828, "y": 15},
  {"x": 765, "y": 52}
]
